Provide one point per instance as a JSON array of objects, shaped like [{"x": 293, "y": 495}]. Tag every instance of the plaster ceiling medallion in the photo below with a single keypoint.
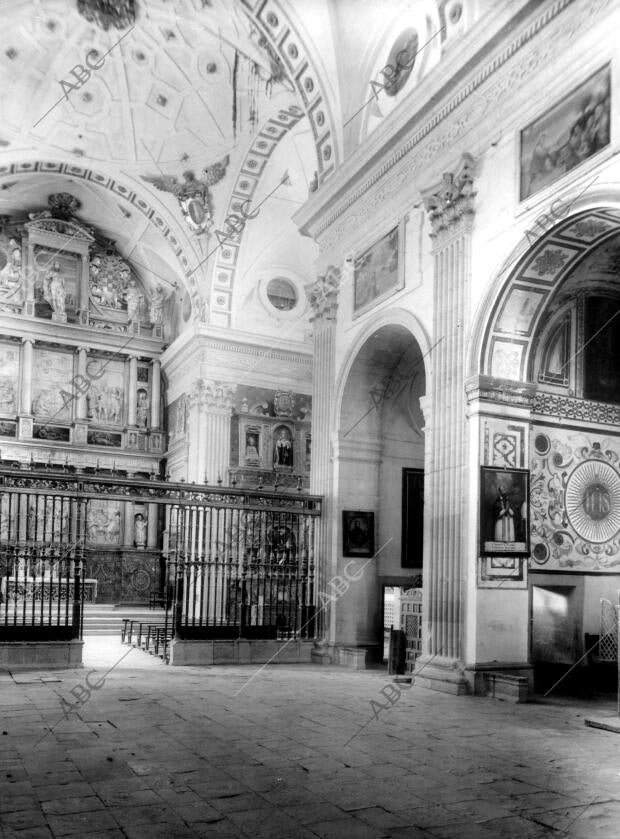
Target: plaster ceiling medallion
[
  {"x": 593, "y": 501},
  {"x": 193, "y": 194},
  {"x": 119, "y": 14}
]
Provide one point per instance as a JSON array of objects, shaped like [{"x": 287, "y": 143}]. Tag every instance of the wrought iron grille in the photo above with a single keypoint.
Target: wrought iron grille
[
  {"x": 239, "y": 564},
  {"x": 242, "y": 572},
  {"x": 41, "y": 565}
]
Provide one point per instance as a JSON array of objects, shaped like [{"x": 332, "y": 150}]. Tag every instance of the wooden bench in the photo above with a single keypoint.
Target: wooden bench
[{"x": 134, "y": 629}]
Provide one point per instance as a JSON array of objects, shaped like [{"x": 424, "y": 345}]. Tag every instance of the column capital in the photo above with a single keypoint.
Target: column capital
[
  {"x": 323, "y": 294},
  {"x": 30, "y": 341},
  {"x": 451, "y": 201},
  {"x": 209, "y": 394}
]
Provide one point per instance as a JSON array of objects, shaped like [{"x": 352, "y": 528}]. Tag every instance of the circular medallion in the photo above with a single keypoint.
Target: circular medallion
[
  {"x": 400, "y": 61},
  {"x": 593, "y": 501}
]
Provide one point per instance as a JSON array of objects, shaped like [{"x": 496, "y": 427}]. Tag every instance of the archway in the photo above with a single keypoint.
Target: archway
[
  {"x": 378, "y": 472},
  {"x": 548, "y": 403}
]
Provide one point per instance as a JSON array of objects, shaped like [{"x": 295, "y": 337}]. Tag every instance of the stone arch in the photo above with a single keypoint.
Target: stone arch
[
  {"x": 509, "y": 317},
  {"x": 389, "y": 317}
]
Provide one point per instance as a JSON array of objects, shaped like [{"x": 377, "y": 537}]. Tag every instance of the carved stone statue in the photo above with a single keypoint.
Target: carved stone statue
[
  {"x": 157, "y": 306},
  {"x": 54, "y": 291},
  {"x": 139, "y": 530},
  {"x": 133, "y": 298}
]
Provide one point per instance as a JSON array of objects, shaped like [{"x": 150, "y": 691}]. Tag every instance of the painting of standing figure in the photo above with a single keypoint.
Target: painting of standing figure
[
  {"x": 569, "y": 133},
  {"x": 504, "y": 514}
]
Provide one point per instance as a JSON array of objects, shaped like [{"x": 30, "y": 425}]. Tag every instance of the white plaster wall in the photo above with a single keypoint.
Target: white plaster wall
[{"x": 501, "y": 631}]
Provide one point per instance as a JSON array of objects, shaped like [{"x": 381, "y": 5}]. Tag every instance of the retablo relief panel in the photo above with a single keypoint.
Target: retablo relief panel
[
  {"x": 575, "y": 501},
  {"x": 52, "y": 390},
  {"x": 9, "y": 378}
]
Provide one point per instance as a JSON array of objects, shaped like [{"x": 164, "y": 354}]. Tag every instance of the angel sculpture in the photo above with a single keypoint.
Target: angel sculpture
[{"x": 193, "y": 194}]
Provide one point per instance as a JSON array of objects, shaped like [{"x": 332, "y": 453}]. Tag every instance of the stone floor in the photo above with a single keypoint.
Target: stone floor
[{"x": 290, "y": 751}]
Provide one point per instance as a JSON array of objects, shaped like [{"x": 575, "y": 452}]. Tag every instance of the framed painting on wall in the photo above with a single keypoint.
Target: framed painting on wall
[
  {"x": 358, "y": 533},
  {"x": 379, "y": 271},
  {"x": 504, "y": 511},
  {"x": 566, "y": 135}
]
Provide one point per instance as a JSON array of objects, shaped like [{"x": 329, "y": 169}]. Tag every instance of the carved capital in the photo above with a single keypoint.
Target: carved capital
[
  {"x": 323, "y": 294},
  {"x": 211, "y": 395},
  {"x": 452, "y": 200}
]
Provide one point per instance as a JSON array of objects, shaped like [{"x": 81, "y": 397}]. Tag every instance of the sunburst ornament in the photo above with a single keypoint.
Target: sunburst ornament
[{"x": 593, "y": 501}]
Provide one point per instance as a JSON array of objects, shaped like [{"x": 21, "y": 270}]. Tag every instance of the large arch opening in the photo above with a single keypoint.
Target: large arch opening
[
  {"x": 379, "y": 472},
  {"x": 550, "y": 353}
]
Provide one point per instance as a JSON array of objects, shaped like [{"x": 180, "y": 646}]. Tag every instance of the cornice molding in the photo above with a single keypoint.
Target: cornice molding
[{"x": 323, "y": 210}]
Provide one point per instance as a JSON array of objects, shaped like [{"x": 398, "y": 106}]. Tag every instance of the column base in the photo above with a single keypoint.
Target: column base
[
  {"x": 323, "y": 653},
  {"x": 442, "y": 674}
]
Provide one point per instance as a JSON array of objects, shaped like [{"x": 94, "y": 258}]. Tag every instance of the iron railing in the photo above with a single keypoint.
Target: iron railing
[{"x": 41, "y": 565}]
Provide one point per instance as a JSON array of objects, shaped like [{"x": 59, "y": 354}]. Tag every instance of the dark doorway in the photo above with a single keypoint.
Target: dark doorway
[{"x": 413, "y": 518}]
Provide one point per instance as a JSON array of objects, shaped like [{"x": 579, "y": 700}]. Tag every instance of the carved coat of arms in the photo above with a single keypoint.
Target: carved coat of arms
[{"x": 193, "y": 193}]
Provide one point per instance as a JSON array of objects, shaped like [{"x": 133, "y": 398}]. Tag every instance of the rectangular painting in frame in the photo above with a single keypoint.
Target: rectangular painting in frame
[
  {"x": 358, "y": 533},
  {"x": 379, "y": 271},
  {"x": 504, "y": 511},
  {"x": 567, "y": 134}
]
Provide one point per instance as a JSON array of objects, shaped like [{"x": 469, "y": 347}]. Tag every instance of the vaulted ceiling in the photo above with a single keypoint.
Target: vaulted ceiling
[{"x": 126, "y": 110}]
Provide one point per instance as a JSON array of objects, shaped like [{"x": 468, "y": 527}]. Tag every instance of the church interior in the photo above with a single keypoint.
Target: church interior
[{"x": 308, "y": 341}]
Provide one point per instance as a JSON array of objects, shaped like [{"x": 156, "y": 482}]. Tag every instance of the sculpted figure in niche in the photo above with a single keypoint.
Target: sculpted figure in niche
[
  {"x": 142, "y": 408},
  {"x": 54, "y": 290},
  {"x": 133, "y": 298},
  {"x": 283, "y": 449},
  {"x": 251, "y": 449},
  {"x": 140, "y": 531},
  {"x": 157, "y": 307}
]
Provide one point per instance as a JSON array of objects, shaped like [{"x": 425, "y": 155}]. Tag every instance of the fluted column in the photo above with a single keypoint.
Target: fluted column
[
  {"x": 80, "y": 400},
  {"x": 450, "y": 209},
  {"x": 212, "y": 404},
  {"x": 323, "y": 297},
  {"x": 155, "y": 393},
  {"x": 25, "y": 401},
  {"x": 133, "y": 386}
]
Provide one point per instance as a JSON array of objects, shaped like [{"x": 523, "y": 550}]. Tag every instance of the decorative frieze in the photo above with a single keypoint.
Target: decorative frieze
[
  {"x": 568, "y": 407},
  {"x": 210, "y": 394}
]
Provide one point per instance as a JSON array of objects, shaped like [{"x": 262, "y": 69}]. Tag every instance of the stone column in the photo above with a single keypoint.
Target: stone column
[
  {"x": 153, "y": 512},
  {"x": 25, "y": 395},
  {"x": 450, "y": 208},
  {"x": 80, "y": 401},
  {"x": 212, "y": 404},
  {"x": 323, "y": 298},
  {"x": 155, "y": 393},
  {"x": 132, "y": 388}
]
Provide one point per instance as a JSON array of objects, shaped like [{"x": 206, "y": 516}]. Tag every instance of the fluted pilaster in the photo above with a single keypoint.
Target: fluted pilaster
[
  {"x": 211, "y": 409},
  {"x": 450, "y": 209},
  {"x": 323, "y": 298}
]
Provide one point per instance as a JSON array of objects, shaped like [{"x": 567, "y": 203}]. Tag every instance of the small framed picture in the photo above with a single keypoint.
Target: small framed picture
[
  {"x": 358, "y": 533},
  {"x": 504, "y": 511}
]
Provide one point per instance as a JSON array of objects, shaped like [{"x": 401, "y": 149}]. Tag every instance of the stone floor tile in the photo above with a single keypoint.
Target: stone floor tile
[
  {"x": 318, "y": 812},
  {"x": 81, "y": 824},
  {"x": 379, "y": 818},
  {"x": 344, "y": 829}
]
